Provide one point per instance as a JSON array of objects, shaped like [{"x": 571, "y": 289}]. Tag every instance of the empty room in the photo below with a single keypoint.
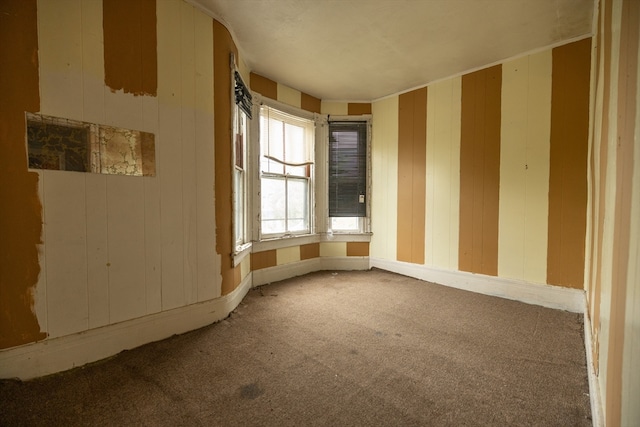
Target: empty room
[{"x": 319, "y": 212}]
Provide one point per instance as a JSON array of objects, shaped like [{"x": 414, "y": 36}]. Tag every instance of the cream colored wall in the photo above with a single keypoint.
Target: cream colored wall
[
  {"x": 121, "y": 247},
  {"x": 289, "y": 95},
  {"x": 443, "y": 174},
  {"x": 334, "y": 108},
  {"x": 524, "y": 167},
  {"x": 384, "y": 178}
]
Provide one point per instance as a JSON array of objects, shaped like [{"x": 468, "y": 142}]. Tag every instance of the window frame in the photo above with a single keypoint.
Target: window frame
[
  {"x": 309, "y": 121},
  {"x": 364, "y": 223}
]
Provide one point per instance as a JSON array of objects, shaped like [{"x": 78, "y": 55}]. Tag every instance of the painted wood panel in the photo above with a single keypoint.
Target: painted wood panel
[
  {"x": 65, "y": 243},
  {"x": 311, "y": 250},
  {"x": 93, "y": 88},
  {"x": 480, "y": 171},
  {"x": 125, "y": 216},
  {"x": 130, "y": 46},
  {"x": 188, "y": 144},
  {"x": 443, "y": 174},
  {"x": 358, "y": 108},
  {"x": 264, "y": 259},
  {"x": 208, "y": 270},
  {"x": 357, "y": 248},
  {"x": 170, "y": 158},
  {"x": 310, "y": 103},
  {"x": 60, "y": 57},
  {"x": 412, "y": 158},
  {"x": 568, "y": 164},
  {"x": 287, "y": 255},
  {"x": 384, "y": 178},
  {"x": 335, "y": 108},
  {"x": 289, "y": 95},
  {"x": 333, "y": 249},
  {"x": 264, "y": 86},
  {"x": 630, "y": 373},
  {"x": 97, "y": 250},
  {"x": 524, "y": 168},
  {"x": 152, "y": 210}
]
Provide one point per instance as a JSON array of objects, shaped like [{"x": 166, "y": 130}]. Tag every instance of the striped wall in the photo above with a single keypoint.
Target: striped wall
[
  {"x": 481, "y": 197},
  {"x": 613, "y": 285},
  {"x": 412, "y": 129},
  {"x": 286, "y": 255},
  {"x": 21, "y": 218},
  {"x": 113, "y": 248}
]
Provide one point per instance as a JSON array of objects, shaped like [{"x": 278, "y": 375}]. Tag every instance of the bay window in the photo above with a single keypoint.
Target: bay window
[{"x": 286, "y": 173}]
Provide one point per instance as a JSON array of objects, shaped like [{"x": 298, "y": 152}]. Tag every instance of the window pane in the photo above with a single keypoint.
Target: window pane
[
  {"x": 273, "y": 205},
  {"x": 295, "y": 150},
  {"x": 239, "y": 207},
  {"x": 298, "y": 206},
  {"x": 274, "y": 147},
  {"x": 345, "y": 223}
]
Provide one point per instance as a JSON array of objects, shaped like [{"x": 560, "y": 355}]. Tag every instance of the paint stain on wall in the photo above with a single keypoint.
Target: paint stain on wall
[{"x": 21, "y": 218}]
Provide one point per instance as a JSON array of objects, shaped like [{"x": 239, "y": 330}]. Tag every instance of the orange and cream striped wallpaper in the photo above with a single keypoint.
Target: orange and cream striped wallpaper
[{"x": 490, "y": 170}]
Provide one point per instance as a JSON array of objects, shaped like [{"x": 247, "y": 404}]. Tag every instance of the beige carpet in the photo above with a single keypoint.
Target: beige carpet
[{"x": 335, "y": 348}]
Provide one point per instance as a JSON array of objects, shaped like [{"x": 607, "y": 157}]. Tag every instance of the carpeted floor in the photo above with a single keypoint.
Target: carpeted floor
[{"x": 342, "y": 349}]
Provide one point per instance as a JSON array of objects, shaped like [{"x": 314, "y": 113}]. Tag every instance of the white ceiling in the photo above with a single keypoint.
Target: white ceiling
[{"x": 362, "y": 50}]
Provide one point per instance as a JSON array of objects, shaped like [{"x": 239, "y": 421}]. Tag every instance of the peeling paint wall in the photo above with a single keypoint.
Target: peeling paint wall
[{"x": 83, "y": 250}]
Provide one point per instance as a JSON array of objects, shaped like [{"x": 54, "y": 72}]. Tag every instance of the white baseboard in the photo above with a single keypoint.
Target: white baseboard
[
  {"x": 63, "y": 353},
  {"x": 286, "y": 271},
  {"x": 595, "y": 397},
  {"x": 572, "y": 300}
]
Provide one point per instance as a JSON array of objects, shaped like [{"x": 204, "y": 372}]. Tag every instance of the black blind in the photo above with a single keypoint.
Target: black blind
[{"x": 347, "y": 169}]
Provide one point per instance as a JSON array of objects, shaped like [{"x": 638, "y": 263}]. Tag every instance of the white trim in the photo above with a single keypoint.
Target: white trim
[
  {"x": 344, "y": 263},
  {"x": 287, "y": 271},
  {"x": 59, "y": 354},
  {"x": 594, "y": 385},
  {"x": 557, "y": 297}
]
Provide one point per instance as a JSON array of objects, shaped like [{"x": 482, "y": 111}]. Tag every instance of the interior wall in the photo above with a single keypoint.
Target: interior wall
[
  {"x": 113, "y": 247},
  {"x": 488, "y": 170},
  {"x": 614, "y": 212}
]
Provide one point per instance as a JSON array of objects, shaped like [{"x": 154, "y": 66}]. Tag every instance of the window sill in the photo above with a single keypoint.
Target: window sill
[
  {"x": 288, "y": 241},
  {"x": 241, "y": 252}
]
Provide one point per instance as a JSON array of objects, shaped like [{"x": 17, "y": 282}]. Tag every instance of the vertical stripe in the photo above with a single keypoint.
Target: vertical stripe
[
  {"x": 480, "y": 171},
  {"x": 264, "y": 86},
  {"x": 358, "y": 108},
  {"x": 384, "y": 178},
  {"x": 310, "y": 103},
  {"x": 443, "y": 174},
  {"x": 21, "y": 219},
  {"x": 223, "y": 46},
  {"x": 627, "y": 104},
  {"x": 412, "y": 145},
  {"x": 130, "y": 58},
  {"x": 524, "y": 168},
  {"x": 605, "y": 57},
  {"x": 568, "y": 164}
]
